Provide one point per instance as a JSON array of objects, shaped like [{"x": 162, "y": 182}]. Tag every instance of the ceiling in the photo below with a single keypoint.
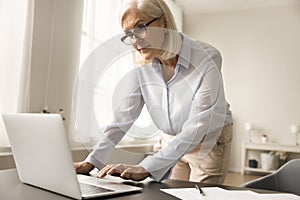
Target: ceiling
[{"x": 206, "y": 6}]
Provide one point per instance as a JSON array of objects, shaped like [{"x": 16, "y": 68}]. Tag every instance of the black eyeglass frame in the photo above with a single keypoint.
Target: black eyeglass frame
[{"x": 132, "y": 33}]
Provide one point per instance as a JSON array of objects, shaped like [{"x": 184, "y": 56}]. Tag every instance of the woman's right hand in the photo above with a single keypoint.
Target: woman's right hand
[{"x": 83, "y": 167}]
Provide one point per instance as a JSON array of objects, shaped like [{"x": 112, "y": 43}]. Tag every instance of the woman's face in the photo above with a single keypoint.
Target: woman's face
[{"x": 151, "y": 45}]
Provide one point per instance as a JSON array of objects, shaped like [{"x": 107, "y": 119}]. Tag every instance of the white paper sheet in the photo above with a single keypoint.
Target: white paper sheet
[
  {"x": 281, "y": 196},
  {"x": 213, "y": 193},
  {"x": 183, "y": 193}
]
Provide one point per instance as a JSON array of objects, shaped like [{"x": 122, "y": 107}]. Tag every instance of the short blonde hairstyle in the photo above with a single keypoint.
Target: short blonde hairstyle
[{"x": 155, "y": 9}]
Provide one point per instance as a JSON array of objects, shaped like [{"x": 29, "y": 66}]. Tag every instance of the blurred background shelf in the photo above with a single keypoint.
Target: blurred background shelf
[{"x": 264, "y": 147}]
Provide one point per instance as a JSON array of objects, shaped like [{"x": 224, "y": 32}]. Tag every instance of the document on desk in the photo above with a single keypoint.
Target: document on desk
[
  {"x": 281, "y": 196},
  {"x": 213, "y": 193}
]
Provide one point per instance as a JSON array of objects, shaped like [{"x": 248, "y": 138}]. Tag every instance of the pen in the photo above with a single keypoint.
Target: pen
[{"x": 200, "y": 190}]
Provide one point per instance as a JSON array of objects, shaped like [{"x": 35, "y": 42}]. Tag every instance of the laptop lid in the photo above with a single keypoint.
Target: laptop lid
[
  {"x": 41, "y": 152},
  {"x": 43, "y": 158}
]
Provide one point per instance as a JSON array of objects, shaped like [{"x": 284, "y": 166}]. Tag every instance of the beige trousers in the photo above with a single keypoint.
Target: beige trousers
[{"x": 210, "y": 169}]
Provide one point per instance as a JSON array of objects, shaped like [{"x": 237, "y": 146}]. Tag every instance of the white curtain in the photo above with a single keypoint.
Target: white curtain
[
  {"x": 16, "y": 21},
  {"x": 100, "y": 22}
]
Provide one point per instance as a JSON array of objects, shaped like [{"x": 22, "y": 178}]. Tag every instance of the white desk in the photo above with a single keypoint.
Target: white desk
[{"x": 263, "y": 147}]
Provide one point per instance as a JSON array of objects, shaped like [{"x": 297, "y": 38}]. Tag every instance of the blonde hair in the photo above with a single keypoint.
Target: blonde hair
[{"x": 156, "y": 9}]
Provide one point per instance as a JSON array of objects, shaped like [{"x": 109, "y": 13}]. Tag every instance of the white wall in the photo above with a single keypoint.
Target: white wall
[{"x": 261, "y": 68}]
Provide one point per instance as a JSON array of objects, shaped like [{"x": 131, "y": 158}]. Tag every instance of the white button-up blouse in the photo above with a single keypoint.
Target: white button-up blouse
[{"x": 189, "y": 106}]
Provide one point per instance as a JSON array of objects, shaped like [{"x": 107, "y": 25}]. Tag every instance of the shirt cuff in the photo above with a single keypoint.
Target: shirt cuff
[
  {"x": 94, "y": 161},
  {"x": 156, "y": 169}
]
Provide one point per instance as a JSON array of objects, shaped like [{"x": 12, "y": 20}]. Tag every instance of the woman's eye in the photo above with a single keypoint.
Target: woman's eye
[
  {"x": 139, "y": 30},
  {"x": 140, "y": 26}
]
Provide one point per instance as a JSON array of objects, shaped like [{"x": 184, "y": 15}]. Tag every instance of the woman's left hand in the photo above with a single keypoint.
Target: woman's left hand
[{"x": 132, "y": 172}]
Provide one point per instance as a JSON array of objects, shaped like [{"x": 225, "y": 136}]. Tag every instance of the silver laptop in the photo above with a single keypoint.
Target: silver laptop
[{"x": 43, "y": 158}]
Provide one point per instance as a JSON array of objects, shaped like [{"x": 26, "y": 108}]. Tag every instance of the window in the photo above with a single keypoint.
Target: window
[{"x": 101, "y": 23}]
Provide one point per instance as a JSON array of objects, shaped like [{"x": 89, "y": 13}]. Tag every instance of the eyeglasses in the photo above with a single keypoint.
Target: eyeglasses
[{"x": 139, "y": 32}]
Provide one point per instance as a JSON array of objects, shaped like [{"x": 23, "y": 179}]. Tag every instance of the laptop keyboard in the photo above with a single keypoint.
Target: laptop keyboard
[{"x": 91, "y": 189}]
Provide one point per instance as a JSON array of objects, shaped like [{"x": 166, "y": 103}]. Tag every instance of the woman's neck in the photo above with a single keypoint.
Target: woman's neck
[
  {"x": 171, "y": 62},
  {"x": 168, "y": 67}
]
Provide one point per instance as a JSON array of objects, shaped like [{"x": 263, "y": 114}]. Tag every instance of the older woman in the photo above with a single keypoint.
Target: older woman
[{"x": 181, "y": 85}]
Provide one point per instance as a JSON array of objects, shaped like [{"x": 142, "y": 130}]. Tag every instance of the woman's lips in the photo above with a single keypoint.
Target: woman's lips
[{"x": 143, "y": 49}]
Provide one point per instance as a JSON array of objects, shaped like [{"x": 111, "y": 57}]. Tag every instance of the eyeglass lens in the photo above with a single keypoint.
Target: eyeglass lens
[{"x": 139, "y": 32}]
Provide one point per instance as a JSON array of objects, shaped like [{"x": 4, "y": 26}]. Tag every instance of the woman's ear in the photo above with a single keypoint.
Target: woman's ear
[{"x": 165, "y": 23}]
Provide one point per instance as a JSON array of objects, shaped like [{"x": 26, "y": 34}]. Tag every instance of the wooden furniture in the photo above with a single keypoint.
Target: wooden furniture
[{"x": 263, "y": 147}]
